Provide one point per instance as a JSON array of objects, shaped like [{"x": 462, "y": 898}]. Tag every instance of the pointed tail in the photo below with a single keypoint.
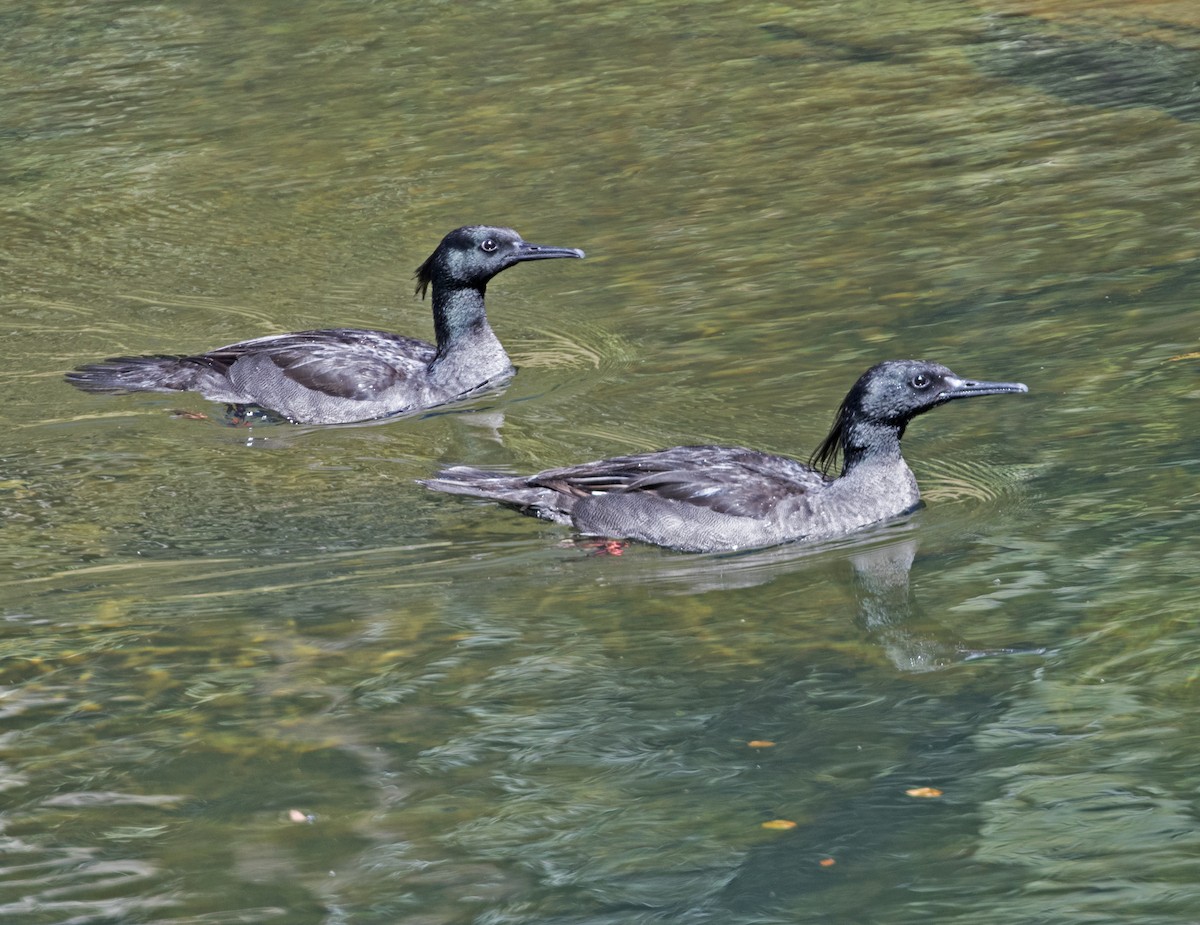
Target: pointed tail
[
  {"x": 151, "y": 374},
  {"x": 510, "y": 490}
]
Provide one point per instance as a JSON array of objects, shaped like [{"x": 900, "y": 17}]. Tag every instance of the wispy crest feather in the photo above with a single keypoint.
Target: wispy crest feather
[
  {"x": 424, "y": 276},
  {"x": 825, "y": 456}
]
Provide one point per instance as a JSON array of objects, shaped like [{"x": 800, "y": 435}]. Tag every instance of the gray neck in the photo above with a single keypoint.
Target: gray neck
[
  {"x": 468, "y": 351},
  {"x": 876, "y": 483},
  {"x": 876, "y": 489},
  {"x": 870, "y": 442}
]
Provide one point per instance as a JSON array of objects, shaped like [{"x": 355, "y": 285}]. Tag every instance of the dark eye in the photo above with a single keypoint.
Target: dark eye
[
  {"x": 488, "y": 246},
  {"x": 920, "y": 381}
]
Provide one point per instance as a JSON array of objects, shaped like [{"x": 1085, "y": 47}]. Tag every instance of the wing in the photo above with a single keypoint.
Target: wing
[
  {"x": 340, "y": 362},
  {"x": 727, "y": 480}
]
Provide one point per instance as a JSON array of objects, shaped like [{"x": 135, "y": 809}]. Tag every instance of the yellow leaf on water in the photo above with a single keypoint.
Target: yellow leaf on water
[
  {"x": 779, "y": 824},
  {"x": 926, "y": 792}
]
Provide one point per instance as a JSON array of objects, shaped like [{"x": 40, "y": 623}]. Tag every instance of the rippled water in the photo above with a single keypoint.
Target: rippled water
[{"x": 259, "y": 675}]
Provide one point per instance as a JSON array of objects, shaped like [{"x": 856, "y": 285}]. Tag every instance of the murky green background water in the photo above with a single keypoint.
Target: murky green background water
[{"x": 261, "y": 676}]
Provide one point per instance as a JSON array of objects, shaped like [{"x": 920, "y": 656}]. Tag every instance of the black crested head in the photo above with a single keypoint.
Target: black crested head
[
  {"x": 886, "y": 397},
  {"x": 470, "y": 256}
]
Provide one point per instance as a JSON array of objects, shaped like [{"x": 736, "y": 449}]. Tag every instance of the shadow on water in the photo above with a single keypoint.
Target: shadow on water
[
  {"x": 887, "y": 609},
  {"x": 1077, "y": 63},
  {"x": 872, "y": 569},
  {"x": 1085, "y": 66}
]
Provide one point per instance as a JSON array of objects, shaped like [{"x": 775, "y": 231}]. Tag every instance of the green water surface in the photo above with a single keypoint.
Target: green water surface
[{"x": 258, "y": 675}]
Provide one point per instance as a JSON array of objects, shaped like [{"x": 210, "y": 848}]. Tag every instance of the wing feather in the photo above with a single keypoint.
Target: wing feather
[
  {"x": 340, "y": 362},
  {"x": 727, "y": 480}
]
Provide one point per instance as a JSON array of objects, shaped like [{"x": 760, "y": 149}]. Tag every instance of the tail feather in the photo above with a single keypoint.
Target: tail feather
[
  {"x": 510, "y": 490},
  {"x": 154, "y": 374}
]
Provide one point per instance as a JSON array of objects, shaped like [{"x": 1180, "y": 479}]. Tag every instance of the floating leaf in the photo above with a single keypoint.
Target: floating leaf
[
  {"x": 780, "y": 825},
  {"x": 925, "y": 792}
]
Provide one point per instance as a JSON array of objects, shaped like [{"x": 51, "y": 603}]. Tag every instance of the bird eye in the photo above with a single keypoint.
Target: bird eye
[
  {"x": 920, "y": 381},
  {"x": 488, "y": 246}
]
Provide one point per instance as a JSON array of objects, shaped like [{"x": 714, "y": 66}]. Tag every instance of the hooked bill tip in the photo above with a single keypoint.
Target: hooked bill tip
[
  {"x": 990, "y": 388},
  {"x": 527, "y": 251}
]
